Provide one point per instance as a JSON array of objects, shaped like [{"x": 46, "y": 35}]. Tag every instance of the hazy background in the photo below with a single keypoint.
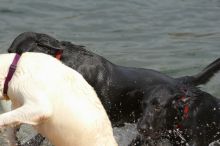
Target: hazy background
[{"x": 176, "y": 37}]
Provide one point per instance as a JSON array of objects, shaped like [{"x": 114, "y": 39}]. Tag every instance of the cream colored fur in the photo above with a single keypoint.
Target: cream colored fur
[{"x": 56, "y": 100}]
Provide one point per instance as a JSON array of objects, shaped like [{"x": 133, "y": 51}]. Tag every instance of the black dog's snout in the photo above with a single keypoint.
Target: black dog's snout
[{"x": 142, "y": 127}]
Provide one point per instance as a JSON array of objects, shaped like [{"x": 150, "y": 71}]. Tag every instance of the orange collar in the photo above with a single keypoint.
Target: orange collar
[{"x": 58, "y": 54}]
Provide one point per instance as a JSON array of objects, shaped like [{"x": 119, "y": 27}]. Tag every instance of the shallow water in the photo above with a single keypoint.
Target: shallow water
[{"x": 176, "y": 37}]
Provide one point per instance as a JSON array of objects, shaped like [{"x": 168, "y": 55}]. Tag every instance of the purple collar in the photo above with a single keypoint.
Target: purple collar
[{"x": 10, "y": 74}]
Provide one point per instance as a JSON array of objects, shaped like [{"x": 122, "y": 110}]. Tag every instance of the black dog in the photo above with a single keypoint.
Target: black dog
[
  {"x": 183, "y": 114},
  {"x": 121, "y": 89}
]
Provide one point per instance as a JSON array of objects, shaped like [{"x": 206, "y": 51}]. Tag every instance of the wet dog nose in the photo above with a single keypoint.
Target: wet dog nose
[{"x": 144, "y": 127}]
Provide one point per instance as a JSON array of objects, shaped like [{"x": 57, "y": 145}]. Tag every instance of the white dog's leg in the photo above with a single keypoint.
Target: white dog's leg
[
  {"x": 11, "y": 136},
  {"x": 10, "y": 133},
  {"x": 28, "y": 114}
]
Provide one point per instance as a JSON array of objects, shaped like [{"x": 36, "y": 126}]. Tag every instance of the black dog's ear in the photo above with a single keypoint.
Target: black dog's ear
[
  {"x": 133, "y": 98},
  {"x": 32, "y": 41},
  {"x": 22, "y": 42},
  {"x": 172, "y": 100},
  {"x": 47, "y": 41}
]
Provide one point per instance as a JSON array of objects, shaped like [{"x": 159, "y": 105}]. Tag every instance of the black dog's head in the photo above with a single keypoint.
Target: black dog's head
[
  {"x": 156, "y": 116},
  {"x": 181, "y": 114},
  {"x": 34, "y": 42}
]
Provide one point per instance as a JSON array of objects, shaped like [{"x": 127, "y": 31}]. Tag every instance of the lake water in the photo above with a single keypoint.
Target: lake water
[{"x": 176, "y": 37}]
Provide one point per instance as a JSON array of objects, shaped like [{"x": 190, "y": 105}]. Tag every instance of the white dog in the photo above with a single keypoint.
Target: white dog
[{"x": 56, "y": 100}]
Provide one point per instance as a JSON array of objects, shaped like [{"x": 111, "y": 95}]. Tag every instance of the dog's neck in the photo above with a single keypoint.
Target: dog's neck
[
  {"x": 5, "y": 63},
  {"x": 182, "y": 107},
  {"x": 199, "y": 108},
  {"x": 10, "y": 74}
]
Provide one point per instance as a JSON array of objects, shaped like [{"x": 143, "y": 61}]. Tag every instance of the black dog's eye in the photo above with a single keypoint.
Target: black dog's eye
[
  {"x": 155, "y": 102},
  {"x": 157, "y": 108}
]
